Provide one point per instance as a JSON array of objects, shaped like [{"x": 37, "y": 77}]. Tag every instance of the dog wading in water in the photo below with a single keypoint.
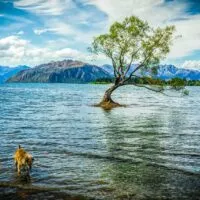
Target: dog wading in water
[{"x": 23, "y": 161}]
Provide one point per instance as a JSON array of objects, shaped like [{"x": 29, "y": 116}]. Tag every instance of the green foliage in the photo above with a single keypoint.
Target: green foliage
[
  {"x": 177, "y": 83},
  {"x": 150, "y": 81},
  {"x": 193, "y": 83},
  {"x": 133, "y": 40},
  {"x": 103, "y": 81},
  {"x": 185, "y": 92},
  {"x": 154, "y": 70}
]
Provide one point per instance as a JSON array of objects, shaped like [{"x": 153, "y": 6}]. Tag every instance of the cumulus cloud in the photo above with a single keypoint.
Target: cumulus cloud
[
  {"x": 15, "y": 50},
  {"x": 57, "y": 20},
  {"x": 12, "y": 42},
  {"x": 191, "y": 64}
]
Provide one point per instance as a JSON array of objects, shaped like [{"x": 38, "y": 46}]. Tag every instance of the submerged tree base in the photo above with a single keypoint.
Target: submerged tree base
[{"x": 108, "y": 105}]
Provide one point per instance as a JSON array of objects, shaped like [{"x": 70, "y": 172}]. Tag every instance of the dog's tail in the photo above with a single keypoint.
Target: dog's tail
[{"x": 19, "y": 146}]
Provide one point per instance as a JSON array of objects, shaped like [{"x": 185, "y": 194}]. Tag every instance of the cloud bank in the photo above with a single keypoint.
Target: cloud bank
[
  {"x": 15, "y": 51},
  {"x": 77, "y": 22},
  {"x": 191, "y": 64}
]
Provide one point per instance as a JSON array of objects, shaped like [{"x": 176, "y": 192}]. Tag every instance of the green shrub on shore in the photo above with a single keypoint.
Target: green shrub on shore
[{"x": 174, "y": 83}]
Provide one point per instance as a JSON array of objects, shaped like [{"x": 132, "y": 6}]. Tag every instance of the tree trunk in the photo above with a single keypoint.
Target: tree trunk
[
  {"x": 108, "y": 93},
  {"x": 107, "y": 102}
]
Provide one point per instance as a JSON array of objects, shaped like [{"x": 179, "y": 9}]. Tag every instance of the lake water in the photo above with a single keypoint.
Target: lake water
[{"x": 147, "y": 150}]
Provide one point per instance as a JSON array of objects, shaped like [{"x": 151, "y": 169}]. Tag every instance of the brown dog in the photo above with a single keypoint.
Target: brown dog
[{"x": 23, "y": 160}]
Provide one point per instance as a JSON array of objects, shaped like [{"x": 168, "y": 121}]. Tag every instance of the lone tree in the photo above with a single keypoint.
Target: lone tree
[{"x": 132, "y": 41}]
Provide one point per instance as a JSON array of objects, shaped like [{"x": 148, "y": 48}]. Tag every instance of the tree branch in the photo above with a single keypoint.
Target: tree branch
[
  {"x": 132, "y": 57},
  {"x": 142, "y": 64},
  {"x": 110, "y": 55},
  {"x": 137, "y": 68},
  {"x": 149, "y": 88},
  {"x": 159, "y": 90}
]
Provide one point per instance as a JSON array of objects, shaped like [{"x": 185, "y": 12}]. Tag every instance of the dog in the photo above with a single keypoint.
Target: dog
[{"x": 23, "y": 160}]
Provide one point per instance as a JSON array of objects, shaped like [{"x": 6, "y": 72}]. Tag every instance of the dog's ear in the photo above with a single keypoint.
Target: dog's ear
[{"x": 19, "y": 146}]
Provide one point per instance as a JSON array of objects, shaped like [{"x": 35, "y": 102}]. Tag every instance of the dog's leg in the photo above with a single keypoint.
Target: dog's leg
[
  {"x": 18, "y": 169},
  {"x": 16, "y": 165}
]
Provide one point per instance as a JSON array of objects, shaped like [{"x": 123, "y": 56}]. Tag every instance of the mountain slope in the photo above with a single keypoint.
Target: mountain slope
[
  {"x": 165, "y": 72},
  {"x": 66, "y": 71},
  {"x": 7, "y": 72},
  {"x": 170, "y": 71}
]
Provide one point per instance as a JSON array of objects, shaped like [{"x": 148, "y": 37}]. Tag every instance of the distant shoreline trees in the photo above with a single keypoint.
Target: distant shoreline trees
[{"x": 151, "y": 81}]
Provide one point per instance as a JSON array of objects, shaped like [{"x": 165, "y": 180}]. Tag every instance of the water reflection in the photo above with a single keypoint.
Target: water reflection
[{"x": 139, "y": 171}]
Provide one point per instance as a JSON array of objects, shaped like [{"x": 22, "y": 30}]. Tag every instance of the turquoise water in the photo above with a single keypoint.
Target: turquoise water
[{"x": 147, "y": 150}]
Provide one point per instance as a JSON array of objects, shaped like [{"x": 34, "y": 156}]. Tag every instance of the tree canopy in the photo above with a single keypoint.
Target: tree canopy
[{"x": 133, "y": 41}]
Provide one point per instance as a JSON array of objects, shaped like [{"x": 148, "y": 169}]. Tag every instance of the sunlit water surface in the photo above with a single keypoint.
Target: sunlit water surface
[{"x": 147, "y": 150}]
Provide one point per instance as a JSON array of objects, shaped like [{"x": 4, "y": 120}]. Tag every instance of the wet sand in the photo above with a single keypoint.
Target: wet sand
[{"x": 17, "y": 193}]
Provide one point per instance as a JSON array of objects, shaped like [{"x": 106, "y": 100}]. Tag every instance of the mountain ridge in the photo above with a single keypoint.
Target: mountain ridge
[
  {"x": 73, "y": 71},
  {"x": 7, "y": 72},
  {"x": 66, "y": 71},
  {"x": 164, "y": 72}
]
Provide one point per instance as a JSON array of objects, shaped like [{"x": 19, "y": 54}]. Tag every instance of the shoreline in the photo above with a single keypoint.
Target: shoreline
[{"x": 17, "y": 192}]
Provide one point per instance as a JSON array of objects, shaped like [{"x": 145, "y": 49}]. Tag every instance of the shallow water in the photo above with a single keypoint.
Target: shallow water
[{"x": 147, "y": 150}]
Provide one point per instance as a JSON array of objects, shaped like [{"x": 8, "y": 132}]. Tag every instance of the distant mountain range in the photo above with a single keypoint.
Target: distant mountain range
[
  {"x": 70, "y": 71},
  {"x": 66, "y": 71},
  {"x": 164, "y": 72},
  {"x": 7, "y": 72}
]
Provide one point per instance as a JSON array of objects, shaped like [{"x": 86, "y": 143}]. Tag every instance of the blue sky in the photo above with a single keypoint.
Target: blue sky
[{"x": 38, "y": 31}]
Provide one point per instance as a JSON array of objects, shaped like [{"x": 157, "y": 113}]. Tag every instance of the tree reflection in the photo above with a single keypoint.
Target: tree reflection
[{"x": 136, "y": 143}]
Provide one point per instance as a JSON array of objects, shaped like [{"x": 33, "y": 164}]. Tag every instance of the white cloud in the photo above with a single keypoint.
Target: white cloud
[
  {"x": 40, "y": 31},
  {"x": 12, "y": 50},
  {"x": 18, "y": 23},
  {"x": 20, "y": 33},
  {"x": 56, "y": 19},
  {"x": 12, "y": 42},
  {"x": 57, "y": 27},
  {"x": 15, "y": 51},
  {"x": 117, "y": 10},
  {"x": 43, "y": 7},
  {"x": 67, "y": 52},
  {"x": 191, "y": 64},
  {"x": 63, "y": 29},
  {"x": 189, "y": 41},
  {"x": 154, "y": 11},
  {"x": 158, "y": 14},
  {"x": 18, "y": 19}
]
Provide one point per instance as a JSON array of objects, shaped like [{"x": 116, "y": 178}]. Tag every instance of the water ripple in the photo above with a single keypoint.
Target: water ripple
[{"x": 147, "y": 149}]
